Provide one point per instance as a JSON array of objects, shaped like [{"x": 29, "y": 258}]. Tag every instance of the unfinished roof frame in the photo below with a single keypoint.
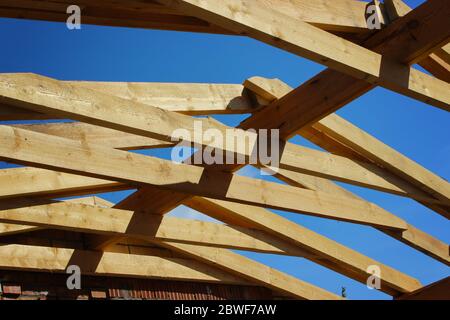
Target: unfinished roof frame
[{"x": 68, "y": 159}]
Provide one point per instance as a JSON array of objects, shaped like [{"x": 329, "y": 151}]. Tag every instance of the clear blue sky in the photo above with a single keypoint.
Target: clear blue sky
[{"x": 120, "y": 54}]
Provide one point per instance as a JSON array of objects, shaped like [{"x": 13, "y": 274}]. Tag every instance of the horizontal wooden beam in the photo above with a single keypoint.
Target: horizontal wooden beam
[
  {"x": 340, "y": 15},
  {"x": 10, "y": 228},
  {"x": 94, "y": 134},
  {"x": 35, "y": 182},
  {"x": 267, "y": 25},
  {"x": 185, "y": 98},
  {"x": 37, "y": 258},
  {"x": 319, "y": 242},
  {"x": 22, "y": 146},
  {"x": 86, "y": 218}
]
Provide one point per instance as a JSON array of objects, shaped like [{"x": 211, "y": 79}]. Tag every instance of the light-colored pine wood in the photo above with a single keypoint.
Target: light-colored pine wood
[
  {"x": 329, "y": 253},
  {"x": 26, "y": 182},
  {"x": 185, "y": 98},
  {"x": 9, "y": 228},
  {"x": 297, "y": 37},
  {"x": 339, "y": 132},
  {"x": 107, "y": 137},
  {"x": 38, "y": 258},
  {"x": 413, "y": 237},
  {"x": 26, "y": 147},
  {"x": 89, "y": 218},
  {"x": 339, "y": 15}
]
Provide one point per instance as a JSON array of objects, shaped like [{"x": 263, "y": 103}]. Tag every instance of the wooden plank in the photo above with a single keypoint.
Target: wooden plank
[
  {"x": 412, "y": 237},
  {"x": 88, "y": 218},
  {"x": 38, "y": 258},
  {"x": 26, "y": 147},
  {"x": 253, "y": 271},
  {"x": 269, "y": 26},
  {"x": 416, "y": 35}
]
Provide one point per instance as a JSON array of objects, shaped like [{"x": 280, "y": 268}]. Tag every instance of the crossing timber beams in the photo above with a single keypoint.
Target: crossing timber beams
[
  {"x": 297, "y": 37},
  {"x": 302, "y": 159},
  {"x": 253, "y": 271},
  {"x": 133, "y": 237},
  {"x": 329, "y": 253},
  {"x": 339, "y": 15},
  {"x": 334, "y": 131},
  {"x": 153, "y": 123},
  {"x": 331, "y": 90},
  {"x": 26, "y": 147},
  {"x": 438, "y": 62}
]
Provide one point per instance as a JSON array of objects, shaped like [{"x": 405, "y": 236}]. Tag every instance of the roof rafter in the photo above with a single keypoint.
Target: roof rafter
[{"x": 274, "y": 28}]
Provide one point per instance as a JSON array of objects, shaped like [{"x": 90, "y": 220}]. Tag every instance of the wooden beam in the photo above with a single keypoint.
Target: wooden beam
[
  {"x": 37, "y": 258},
  {"x": 185, "y": 98},
  {"x": 136, "y": 119},
  {"x": 94, "y": 134},
  {"x": 88, "y": 218},
  {"x": 329, "y": 253},
  {"x": 9, "y": 228},
  {"x": 269, "y": 26},
  {"x": 438, "y": 62},
  {"x": 404, "y": 40},
  {"x": 334, "y": 167},
  {"x": 34, "y": 182},
  {"x": 340, "y": 15},
  {"x": 26, "y": 147},
  {"x": 334, "y": 131},
  {"x": 252, "y": 271},
  {"x": 382, "y": 154},
  {"x": 412, "y": 237},
  {"x": 416, "y": 35},
  {"x": 301, "y": 159}
]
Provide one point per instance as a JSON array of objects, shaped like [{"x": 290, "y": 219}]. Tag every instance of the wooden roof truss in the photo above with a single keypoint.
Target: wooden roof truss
[{"x": 92, "y": 154}]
